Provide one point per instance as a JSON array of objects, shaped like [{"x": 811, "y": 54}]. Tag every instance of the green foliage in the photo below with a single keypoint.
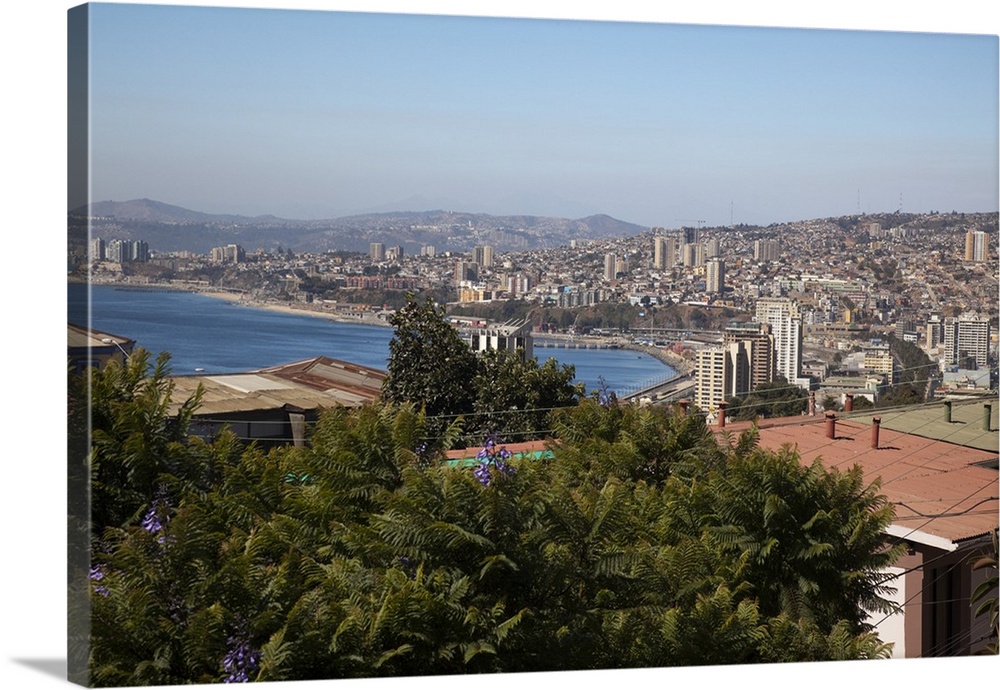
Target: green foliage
[
  {"x": 496, "y": 392},
  {"x": 514, "y": 395},
  {"x": 429, "y": 364},
  {"x": 640, "y": 542},
  {"x": 984, "y": 597},
  {"x": 775, "y": 399}
]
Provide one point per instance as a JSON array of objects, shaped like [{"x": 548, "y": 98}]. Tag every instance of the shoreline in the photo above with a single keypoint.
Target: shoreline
[{"x": 678, "y": 363}]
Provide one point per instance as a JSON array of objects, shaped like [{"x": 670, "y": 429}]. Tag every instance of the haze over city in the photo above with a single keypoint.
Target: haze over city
[{"x": 318, "y": 114}]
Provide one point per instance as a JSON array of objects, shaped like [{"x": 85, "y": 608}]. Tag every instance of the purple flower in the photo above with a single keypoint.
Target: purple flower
[
  {"x": 491, "y": 459},
  {"x": 156, "y": 519},
  {"x": 97, "y": 574},
  {"x": 482, "y": 473},
  {"x": 241, "y": 659}
]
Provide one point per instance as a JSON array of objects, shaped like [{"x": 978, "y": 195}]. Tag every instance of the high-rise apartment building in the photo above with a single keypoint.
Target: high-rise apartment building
[
  {"x": 765, "y": 250},
  {"x": 785, "y": 319},
  {"x": 466, "y": 271},
  {"x": 664, "y": 252},
  {"x": 721, "y": 373},
  {"x": 713, "y": 249},
  {"x": 694, "y": 255},
  {"x": 935, "y": 331},
  {"x": 878, "y": 358},
  {"x": 759, "y": 343},
  {"x": 976, "y": 245},
  {"x": 966, "y": 341},
  {"x": 483, "y": 255},
  {"x": 230, "y": 253},
  {"x": 715, "y": 276},
  {"x": 97, "y": 249},
  {"x": 610, "y": 267},
  {"x": 691, "y": 235},
  {"x": 376, "y": 250}
]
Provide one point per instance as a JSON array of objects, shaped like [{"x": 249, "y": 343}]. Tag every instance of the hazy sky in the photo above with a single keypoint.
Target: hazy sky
[{"x": 313, "y": 114}]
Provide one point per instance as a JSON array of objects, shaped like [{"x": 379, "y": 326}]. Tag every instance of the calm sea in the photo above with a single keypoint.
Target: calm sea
[{"x": 204, "y": 333}]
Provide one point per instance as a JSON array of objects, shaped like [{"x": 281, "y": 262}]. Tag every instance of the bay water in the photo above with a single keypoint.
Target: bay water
[{"x": 214, "y": 336}]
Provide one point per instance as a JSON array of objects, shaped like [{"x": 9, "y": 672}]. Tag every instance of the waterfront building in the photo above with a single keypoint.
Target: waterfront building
[
  {"x": 97, "y": 249},
  {"x": 721, "y": 372},
  {"x": 510, "y": 336},
  {"x": 230, "y": 253},
  {"x": 966, "y": 341},
  {"x": 759, "y": 343},
  {"x": 785, "y": 318}
]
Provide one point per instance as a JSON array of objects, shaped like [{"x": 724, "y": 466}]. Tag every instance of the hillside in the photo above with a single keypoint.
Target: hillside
[{"x": 172, "y": 228}]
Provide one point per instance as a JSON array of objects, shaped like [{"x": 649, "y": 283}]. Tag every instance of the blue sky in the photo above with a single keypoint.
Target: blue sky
[{"x": 313, "y": 114}]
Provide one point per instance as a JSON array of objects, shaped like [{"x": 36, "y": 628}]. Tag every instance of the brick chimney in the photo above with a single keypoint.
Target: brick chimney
[
  {"x": 848, "y": 402},
  {"x": 722, "y": 415},
  {"x": 831, "y": 424}
]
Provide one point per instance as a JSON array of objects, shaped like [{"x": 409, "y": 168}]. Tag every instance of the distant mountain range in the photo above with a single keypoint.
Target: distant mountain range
[{"x": 169, "y": 228}]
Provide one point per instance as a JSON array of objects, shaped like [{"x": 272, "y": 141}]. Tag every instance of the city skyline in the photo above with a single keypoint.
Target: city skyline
[{"x": 318, "y": 114}]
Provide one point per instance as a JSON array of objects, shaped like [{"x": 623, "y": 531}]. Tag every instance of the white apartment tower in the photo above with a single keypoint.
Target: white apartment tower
[
  {"x": 785, "y": 318},
  {"x": 966, "y": 341}
]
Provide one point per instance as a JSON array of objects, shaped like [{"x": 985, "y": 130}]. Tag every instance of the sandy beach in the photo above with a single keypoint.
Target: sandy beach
[{"x": 299, "y": 309}]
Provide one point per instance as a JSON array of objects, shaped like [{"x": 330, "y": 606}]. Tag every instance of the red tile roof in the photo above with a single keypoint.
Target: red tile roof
[{"x": 943, "y": 493}]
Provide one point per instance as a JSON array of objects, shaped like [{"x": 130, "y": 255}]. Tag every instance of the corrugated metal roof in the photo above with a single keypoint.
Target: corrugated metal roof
[
  {"x": 81, "y": 336},
  {"x": 311, "y": 384}
]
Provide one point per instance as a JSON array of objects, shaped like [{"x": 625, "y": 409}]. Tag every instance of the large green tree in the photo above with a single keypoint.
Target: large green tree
[
  {"x": 429, "y": 363},
  {"x": 495, "y": 392}
]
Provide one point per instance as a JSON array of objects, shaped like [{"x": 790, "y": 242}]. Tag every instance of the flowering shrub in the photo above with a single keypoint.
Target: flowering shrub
[
  {"x": 241, "y": 660},
  {"x": 491, "y": 460}
]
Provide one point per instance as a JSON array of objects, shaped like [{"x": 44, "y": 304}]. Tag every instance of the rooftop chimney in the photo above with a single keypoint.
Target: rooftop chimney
[
  {"x": 987, "y": 412},
  {"x": 831, "y": 424},
  {"x": 848, "y": 402},
  {"x": 876, "y": 421},
  {"x": 722, "y": 415},
  {"x": 812, "y": 403},
  {"x": 947, "y": 411}
]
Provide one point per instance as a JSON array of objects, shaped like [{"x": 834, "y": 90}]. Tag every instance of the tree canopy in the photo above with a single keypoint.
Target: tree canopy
[
  {"x": 638, "y": 540},
  {"x": 496, "y": 392}
]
